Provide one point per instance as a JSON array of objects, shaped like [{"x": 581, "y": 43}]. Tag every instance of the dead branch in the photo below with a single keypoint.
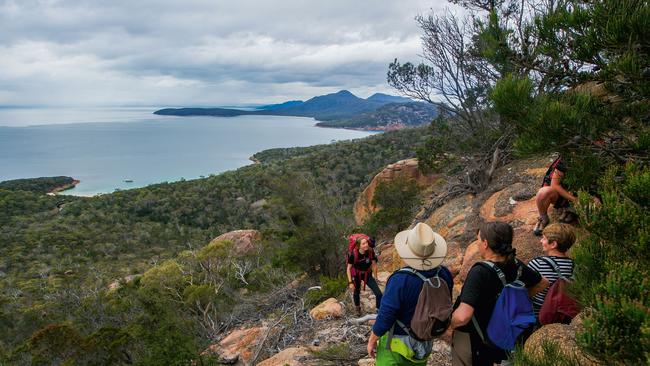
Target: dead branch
[{"x": 475, "y": 178}]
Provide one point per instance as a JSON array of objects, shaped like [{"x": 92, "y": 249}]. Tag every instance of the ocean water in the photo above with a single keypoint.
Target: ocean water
[{"x": 106, "y": 148}]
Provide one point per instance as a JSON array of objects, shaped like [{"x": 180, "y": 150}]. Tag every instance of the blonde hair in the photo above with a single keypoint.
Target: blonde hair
[{"x": 563, "y": 234}]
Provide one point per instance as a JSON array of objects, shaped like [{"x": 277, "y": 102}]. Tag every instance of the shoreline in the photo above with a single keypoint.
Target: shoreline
[
  {"x": 64, "y": 187},
  {"x": 68, "y": 187},
  {"x": 367, "y": 129}
]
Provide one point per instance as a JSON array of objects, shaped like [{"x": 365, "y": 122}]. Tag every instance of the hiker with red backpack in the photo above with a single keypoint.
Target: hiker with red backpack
[
  {"x": 493, "y": 309},
  {"x": 554, "y": 304},
  {"x": 417, "y": 302},
  {"x": 362, "y": 269},
  {"x": 553, "y": 192}
]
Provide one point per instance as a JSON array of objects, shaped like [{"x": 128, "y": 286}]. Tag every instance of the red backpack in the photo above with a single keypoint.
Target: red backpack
[
  {"x": 558, "y": 306},
  {"x": 352, "y": 239}
]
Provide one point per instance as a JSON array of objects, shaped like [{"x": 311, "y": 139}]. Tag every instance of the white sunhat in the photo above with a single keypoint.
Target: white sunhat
[{"x": 420, "y": 247}]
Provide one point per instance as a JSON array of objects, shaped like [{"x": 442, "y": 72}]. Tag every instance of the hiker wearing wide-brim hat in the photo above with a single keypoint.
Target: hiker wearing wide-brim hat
[
  {"x": 421, "y": 248},
  {"x": 423, "y": 251}
]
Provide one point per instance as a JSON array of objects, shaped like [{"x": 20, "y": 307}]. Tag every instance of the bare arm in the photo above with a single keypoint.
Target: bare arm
[
  {"x": 461, "y": 316},
  {"x": 349, "y": 272},
  {"x": 372, "y": 344},
  {"x": 555, "y": 183}
]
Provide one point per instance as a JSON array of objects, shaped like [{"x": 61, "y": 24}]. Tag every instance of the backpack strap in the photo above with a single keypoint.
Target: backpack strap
[
  {"x": 554, "y": 265},
  {"x": 498, "y": 271},
  {"x": 391, "y": 332},
  {"x": 478, "y": 330},
  {"x": 420, "y": 276},
  {"x": 502, "y": 277},
  {"x": 520, "y": 268}
]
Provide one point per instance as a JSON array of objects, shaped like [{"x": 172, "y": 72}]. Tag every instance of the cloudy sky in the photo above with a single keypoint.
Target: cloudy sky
[{"x": 200, "y": 52}]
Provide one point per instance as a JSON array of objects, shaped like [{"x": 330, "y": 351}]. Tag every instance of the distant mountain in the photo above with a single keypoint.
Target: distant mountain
[
  {"x": 332, "y": 106},
  {"x": 389, "y": 116},
  {"x": 385, "y": 98},
  {"x": 342, "y": 105},
  {"x": 291, "y": 103}
]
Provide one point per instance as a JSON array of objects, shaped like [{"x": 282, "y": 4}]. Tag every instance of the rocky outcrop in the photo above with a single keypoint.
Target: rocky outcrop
[
  {"x": 450, "y": 220},
  {"x": 292, "y": 356},
  {"x": 562, "y": 337},
  {"x": 512, "y": 199},
  {"x": 516, "y": 204},
  {"x": 388, "y": 259},
  {"x": 408, "y": 169},
  {"x": 329, "y": 308},
  {"x": 243, "y": 240},
  {"x": 238, "y": 347}
]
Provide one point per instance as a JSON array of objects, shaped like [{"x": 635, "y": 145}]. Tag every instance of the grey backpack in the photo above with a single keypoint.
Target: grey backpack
[{"x": 433, "y": 309}]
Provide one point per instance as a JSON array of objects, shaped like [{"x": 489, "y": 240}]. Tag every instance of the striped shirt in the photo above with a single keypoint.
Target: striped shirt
[{"x": 546, "y": 270}]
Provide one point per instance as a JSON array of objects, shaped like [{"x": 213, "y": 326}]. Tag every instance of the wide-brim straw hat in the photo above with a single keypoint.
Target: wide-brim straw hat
[{"x": 420, "y": 247}]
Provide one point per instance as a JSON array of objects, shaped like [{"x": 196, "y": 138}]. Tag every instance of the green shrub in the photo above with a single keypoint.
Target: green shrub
[
  {"x": 167, "y": 277},
  {"x": 397, "y": 200},
  {"x": 613, "y": 268},
  {"x": 330, "y": 287},
  {"x": 551, "y": 356}
]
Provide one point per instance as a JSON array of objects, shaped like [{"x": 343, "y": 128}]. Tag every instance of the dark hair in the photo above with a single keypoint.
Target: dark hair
[{"x": 499, "y": 237}]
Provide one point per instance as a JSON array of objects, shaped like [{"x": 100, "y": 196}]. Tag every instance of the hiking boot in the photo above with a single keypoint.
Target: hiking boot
[
  {"x": 541, "y": 224},
  {"x": 358, "y": 310}
]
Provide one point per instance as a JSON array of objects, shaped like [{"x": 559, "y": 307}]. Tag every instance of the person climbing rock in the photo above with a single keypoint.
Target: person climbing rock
[{"x": 553, "y": 192}]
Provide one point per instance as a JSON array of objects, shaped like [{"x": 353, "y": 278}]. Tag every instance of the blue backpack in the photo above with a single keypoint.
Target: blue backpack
[{"x": 512, "y": 314}]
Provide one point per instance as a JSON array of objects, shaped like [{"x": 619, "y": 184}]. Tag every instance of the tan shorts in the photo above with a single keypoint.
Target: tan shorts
[{"x": 461, "y": 349}]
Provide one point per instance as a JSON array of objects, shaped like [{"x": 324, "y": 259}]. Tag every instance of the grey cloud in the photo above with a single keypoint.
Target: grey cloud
[{"x": 164, "y": 52}]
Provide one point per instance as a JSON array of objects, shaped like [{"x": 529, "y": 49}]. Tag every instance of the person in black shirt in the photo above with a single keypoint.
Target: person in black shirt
[
  {"x": 362, "y": 265},
  {"x": 479, "y": 294}
]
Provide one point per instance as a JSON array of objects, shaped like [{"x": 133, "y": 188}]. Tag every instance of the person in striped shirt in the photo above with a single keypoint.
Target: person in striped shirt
[{"x": 556, "y": 240}]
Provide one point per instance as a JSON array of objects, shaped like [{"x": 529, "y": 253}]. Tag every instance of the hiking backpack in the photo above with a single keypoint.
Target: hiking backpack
[
  {"x": 512, "y": 313},
  {"x": 352, "y": 239},
  {"x": 433, "y": 309},
  {"x": 355, "y": 253},
  {"x": 558, "y": 306}
]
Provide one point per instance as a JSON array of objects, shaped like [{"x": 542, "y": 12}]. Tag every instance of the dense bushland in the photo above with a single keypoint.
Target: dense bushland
[{"x": 56, "y": 265}]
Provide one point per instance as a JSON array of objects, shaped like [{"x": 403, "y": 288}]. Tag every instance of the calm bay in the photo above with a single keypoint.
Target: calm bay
[{"x": 122, "y": 148}]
